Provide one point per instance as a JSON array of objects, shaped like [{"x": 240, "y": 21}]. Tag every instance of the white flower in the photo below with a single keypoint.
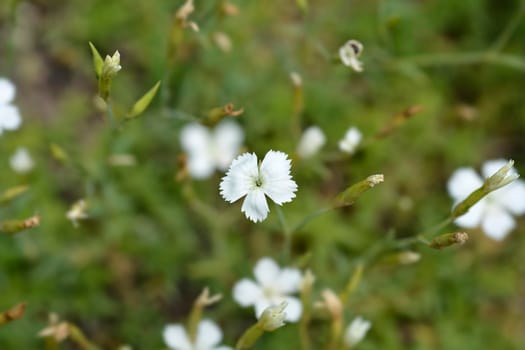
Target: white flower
[
  {"x": 351, "y": 140},
  {"x": 77, "y": 212},
  {"x": 9, "y": 115},
  {"x": 356, "y": 331},
  {"x": 493, "y": 212},
  {"x": 111, "y": 65},
  {"x": 246, "y": 178},
  {"x": 208, "y": 150},
  {"x": 349, "y": 54},
  {"x": 311, "y": 142},
  {"x": 208, "y": 336},
  {"x": 21, "y": 161},
  {"x": 273, "y": 286}
]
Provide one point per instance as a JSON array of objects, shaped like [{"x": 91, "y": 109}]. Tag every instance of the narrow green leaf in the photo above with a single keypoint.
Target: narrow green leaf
[
  {"x": 98, "y": 62},
  {"x": 143, "y": 102},
  {"x": 12, "y": 193}
]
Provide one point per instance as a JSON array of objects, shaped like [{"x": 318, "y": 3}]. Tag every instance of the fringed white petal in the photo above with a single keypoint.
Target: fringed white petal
[
  {"x": 255, "y": 206},
  {"x": 276, "y": 178},
  {"x": 240, "y": 177}
]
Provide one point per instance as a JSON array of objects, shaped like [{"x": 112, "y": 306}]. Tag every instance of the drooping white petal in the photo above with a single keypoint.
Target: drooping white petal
[
  {"x": 472, "y": 218},
  {"x": 266, "y": 271},
  {"x": 463, "y": 182},
  {"x": 276, "y": 179},
  {"x": 497, "y": 223},
  {"x": 208, "y": 335},
  {"x": 246, "y": 292},
  {"x": 240, "y": 178},
  {"x": 288, "y": 280},
  {"x": 176, "y": 338},
  {"x": 10, "y": 117},
  {"x": 293, "y": 310},
  {"x": 7, "y": 91},
  {"x": 227, "y": 138},
  {"x": 255, "y": 206},
  {"x": 512, "y": 197},
  {"x": 311, "y": 141}
]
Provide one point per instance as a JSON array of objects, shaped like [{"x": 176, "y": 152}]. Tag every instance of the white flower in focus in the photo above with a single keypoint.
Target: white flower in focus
[
  {"x": 272, "y": 287},
  {"x": 21, "y": 161},
  {"x": 494, "y": 212},
  {"x": 351, "y": 140},
  {"x": 311, "y": 142},
  {"x": 349, "y": 54},
  {"x": 208, "y": 337},
  {"x": 356, "y": 331},
  {"x": 208, "y": 150},
  {"x": 9, "y": 114},
  {"x": 246, "y": 178}
]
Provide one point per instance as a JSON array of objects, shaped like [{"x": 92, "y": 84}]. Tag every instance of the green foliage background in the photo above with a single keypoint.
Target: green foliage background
[{"x": 152, "y": 243}]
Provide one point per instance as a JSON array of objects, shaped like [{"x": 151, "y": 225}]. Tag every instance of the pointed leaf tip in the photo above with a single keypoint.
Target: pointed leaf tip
[{"x": 141, "y": 105}]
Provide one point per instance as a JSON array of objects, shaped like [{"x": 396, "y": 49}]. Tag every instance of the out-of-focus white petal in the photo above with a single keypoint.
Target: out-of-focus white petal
[
  {"x": 512, "y": 197},
  {"x": 21, "y": 161},
  {"x": 288, "y": 281},
  {"x": 490, "y": 167},
  {"x": 240, "y": 177},
  {"x": 227, "y": 137},
  {"x": 356, "y": 331},
  {"x": 293, "y": 310},
  {"x": 351, "y": 140},
  {"x": 261, "y": 305},
  {"x": 311, "y": 141},
  {"x": 246, "y": 292},
  {"x": 463, "y": 182},
  {"x": 10, "y": 117},
  {"x": 176, "y": 338},
  {"x": 266, "y": 271},
  {"x": 195, "y": 138},
  {"x": 255, "y": 206},
  {"x": 276, "y": 178},
  {"x": 497, "y": 223},
  {"x": 472, "y": 218},
  {"x": 7, "y": 91},
  {"x": 208, "y": 335},
  {"x": 200, "y": 165}
]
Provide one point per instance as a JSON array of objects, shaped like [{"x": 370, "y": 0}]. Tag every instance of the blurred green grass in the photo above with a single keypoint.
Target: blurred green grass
[{"x": 146, "y": 253}]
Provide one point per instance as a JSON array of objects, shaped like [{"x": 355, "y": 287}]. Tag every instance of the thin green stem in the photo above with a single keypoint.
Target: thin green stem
[
  {"x": 465, "y": 58},
  {"x": 509, "y": 30},
  {"x": 286, "y": 232},
  {"x": 309, "y": 218}
]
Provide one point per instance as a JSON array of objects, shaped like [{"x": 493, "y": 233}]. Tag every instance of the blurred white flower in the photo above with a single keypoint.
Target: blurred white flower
[
  {"x": 493, "y": 212},
  {"x": 21, "y": 161},
  {"x": 351, "y": 140},
  {"x": 272, "y": 287},
  {"x": 208, "y": 337},
  {"x": 246, "y": 178},
  {"x": 9, "y": 114},
  {"x": 349, "y": 54},
  {"x": 311, "y": 142},
  {"x": 78, "y": 211},
  {"x": 208, "y": 150},
  {"x": 356, "y": 331}
]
